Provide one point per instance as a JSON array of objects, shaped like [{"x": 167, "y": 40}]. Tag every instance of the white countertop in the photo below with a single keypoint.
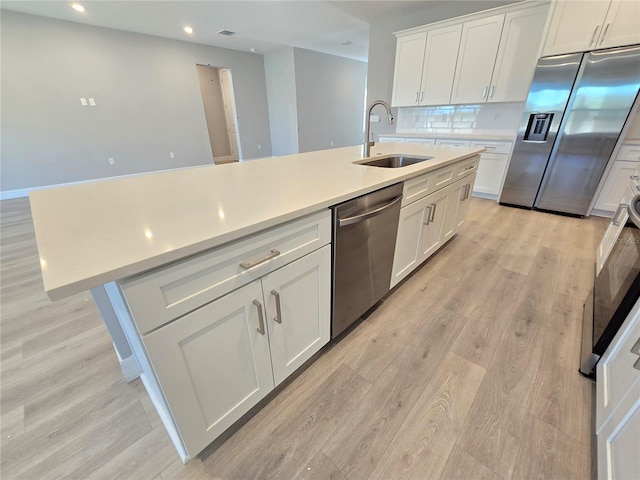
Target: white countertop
[{"x": 103, "y": 231}]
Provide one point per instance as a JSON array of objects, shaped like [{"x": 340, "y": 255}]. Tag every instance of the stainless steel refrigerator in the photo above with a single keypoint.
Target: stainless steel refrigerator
[{"x": 577, "y": 106}]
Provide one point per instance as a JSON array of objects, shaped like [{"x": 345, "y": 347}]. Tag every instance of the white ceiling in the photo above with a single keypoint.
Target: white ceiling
[{"x": 265, "y": 25}]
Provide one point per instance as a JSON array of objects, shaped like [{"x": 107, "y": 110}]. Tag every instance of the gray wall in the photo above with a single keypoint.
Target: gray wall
[
  {"x": 281, "y": 92},
  {"x": 382, "y": 46},
  {"x": 330, "y": 98},
  {"x": 147, "y": 94}
]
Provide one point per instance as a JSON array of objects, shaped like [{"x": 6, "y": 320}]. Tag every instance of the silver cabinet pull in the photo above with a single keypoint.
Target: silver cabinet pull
[
  {"x": 433, "y": 212},
  {"x": 635, "y": 177},
  {"x": 616, "y": 216},
  {"x": 470, "y": 167},
  {"x": 278, "y": 317},
  {"x": 484, "y": 92},
  {"x": 421, "y": 93},
  {"x": 463, "y": 193},
  {"x": 417, "y": 93},
  {"x": 593, "y": 37},
  {"x": 604, "y": 34},
  {"x": 428, "y": 216},
  {"x": 491, "y": 90},
  {"x": 468, "y": 187},
  {"x": 252, "y": 263},
  {"x": 260, "y": 328}
]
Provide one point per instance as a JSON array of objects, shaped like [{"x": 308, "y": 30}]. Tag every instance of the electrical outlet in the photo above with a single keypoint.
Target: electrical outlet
[
  {"x": 92, "y": 102},
  {"x": 375, "y": 118},
  {"x": 172, "y": 155},
  {"x": 112, "y": 161},
  {"x": 331, "y": 143},
  {"x": 83, "y": 102},
  {"x": 259, "y": 147}
]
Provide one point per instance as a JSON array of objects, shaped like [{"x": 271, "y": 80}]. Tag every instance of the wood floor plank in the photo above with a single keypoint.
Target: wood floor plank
[
  {"x": 92, "y": 448},
  {"x": 427, "y": 437},
  {"x": 462, "y": 466},
  {"x": 320, "y": 468},
  {"x": 358, "y": 444},
  {"x": 489, "y": 311},
  {"x": 296, "y": 439},
  {"x": 57, "y": 431}
]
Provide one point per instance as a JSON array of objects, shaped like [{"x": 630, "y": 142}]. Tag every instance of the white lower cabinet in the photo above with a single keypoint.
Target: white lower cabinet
[
  {"x": 618, "y": 403},
  {"x": 427, "y": 223},
  {"x": 213, "y": 365},
  {"x": 616, "y": 185},
  {"x": 216, "y": 362},
  {"x": 298, "y": 304}
]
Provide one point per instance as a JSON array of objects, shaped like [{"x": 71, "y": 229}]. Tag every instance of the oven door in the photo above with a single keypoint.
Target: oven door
[{"x": 616, "y": 289}]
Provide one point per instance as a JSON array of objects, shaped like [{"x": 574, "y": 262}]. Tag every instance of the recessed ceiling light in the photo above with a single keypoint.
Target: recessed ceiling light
[
  {"x": 228, "y": 33},
  {"x": 346, "y": 43},
  {"x": 77, "y": 7},
  {"x": 188, "y": 29},
  {"x": 252, "y": 50}
]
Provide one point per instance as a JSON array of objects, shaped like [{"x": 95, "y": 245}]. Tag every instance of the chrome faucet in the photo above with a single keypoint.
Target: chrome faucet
[{"x": 367, "y": 131}]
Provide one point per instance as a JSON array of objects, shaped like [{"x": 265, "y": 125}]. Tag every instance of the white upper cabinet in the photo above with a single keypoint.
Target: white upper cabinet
[
  {"x": 476, "y": 58},
  {"x": 581, "y": 26},
  {"x": 439, "y": 65},
  {"x": 408, "y": 71},
  {"x": 487, "y": 58},
  {"x": 622, "y": 25},
  {"x": 517, "y": 54}
]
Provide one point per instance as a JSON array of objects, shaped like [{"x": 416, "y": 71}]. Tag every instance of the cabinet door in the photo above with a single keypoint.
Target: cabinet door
[
  {"x": 439, "y": 65},
  {"x": 574, "y": 26},
  {"x": 464, "y": 201},
  {"x": 407, "y": 255},
  {"x": 408, "y": 70},
  {"x": 615, "y": 189},
  {"x": 517, "y": 54},
  {"x": 432, "y": 234},
  {"x": 490, "y": 172},
  {"x": 476, "y": 59},
  {"x": 622, "y": 25},
  {"x": 618, "y": 403},
  {"x": 213, "y": 365},
  {"x": 298, "y": 305}
]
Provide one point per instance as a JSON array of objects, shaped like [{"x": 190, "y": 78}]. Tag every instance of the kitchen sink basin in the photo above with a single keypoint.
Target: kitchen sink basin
[{"x": 395, "y": 161}]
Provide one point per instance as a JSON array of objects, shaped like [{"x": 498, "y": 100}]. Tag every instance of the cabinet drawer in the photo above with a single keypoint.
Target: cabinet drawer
[
  {"x": 161, "y": 295},
  {"x": 382, "y": 139},
  {"x": 422, "y": 141},
  {"x": 494, "y": 147},
  {"x": 416, "y": 188},
  {"x": 466, "y": 167},
  {"x": 629, "y": 152},
  {"x": 453, "y": 143}
]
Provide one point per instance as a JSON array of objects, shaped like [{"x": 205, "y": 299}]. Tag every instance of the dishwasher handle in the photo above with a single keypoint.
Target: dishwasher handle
[{"x": 343, "y": 222}]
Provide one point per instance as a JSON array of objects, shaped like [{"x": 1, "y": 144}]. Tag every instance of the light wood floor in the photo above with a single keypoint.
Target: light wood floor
[{"x": 467, "y": 370}]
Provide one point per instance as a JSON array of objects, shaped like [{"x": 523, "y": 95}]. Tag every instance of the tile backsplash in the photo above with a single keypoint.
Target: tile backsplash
[{"x": 488, "y": 119}]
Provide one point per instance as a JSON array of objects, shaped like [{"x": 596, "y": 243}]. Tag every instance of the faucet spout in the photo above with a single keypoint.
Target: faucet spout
[{"x": 367, "y": 131}]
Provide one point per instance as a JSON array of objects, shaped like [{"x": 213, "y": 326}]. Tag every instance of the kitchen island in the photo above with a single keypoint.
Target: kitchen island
[{"x": 165, "y": 246}]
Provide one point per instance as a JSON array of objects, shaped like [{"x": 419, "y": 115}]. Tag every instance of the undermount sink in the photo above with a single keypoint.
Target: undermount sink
[{"x": 395, "y": 161}]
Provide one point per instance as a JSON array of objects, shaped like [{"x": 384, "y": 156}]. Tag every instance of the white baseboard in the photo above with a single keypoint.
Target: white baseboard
[
  {"x": 601, "y": 213},
  {"x": 489, "y": 196},
  {"x": 24, "y": 192},
  {"x": 225, "y": 159}
]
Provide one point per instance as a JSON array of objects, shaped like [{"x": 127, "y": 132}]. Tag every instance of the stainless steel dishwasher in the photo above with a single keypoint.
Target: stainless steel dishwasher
[{"x": 364, "y": 240}]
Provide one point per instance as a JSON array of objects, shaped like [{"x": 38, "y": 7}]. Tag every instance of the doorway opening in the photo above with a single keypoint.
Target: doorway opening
[{"x": 216, "y": 87}]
